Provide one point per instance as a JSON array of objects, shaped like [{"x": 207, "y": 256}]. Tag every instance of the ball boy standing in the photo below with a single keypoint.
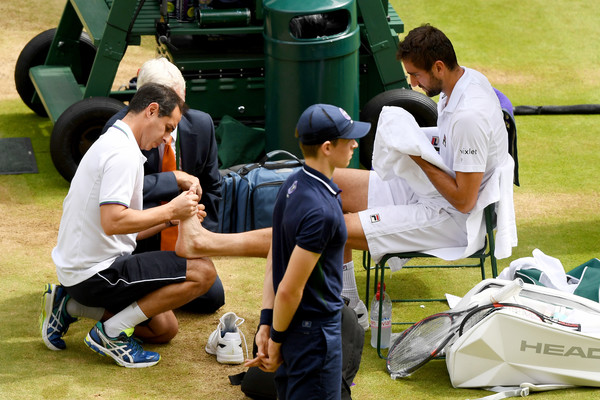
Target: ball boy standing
[{"x": 300, "y": 332}]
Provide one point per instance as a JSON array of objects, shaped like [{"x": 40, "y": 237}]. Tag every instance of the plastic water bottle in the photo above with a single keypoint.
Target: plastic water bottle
[{"x": 386, "y": 319}]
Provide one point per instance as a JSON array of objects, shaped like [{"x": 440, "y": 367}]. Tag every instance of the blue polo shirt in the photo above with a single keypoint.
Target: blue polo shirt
[{"x": 308, "y": 213}]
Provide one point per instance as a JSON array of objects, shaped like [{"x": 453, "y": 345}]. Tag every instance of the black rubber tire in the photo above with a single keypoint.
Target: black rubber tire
[
  {"x": 35, "y": 52},
  {"x": 416, "y": 103},
  {"x": 78, "y": 127}
]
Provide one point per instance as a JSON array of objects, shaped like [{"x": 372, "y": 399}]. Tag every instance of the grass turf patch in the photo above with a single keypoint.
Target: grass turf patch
[{"x": 526, "y": 48}]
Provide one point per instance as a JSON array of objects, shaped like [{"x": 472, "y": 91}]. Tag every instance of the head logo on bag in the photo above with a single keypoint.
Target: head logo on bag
[
  {"x": 553, "y": 349},
  {"x": 508, "y": 349}
]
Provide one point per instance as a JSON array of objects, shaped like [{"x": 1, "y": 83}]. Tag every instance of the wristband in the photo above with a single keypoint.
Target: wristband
[
  {"x": 266, "y": 316},
  {"x": 278, "y": 337}
]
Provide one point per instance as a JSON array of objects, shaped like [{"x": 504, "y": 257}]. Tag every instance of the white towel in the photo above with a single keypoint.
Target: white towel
[
  {"x": 499, "y": 190},
  {"x": 553, "y": 276},
  {"x": 399, "y": 136}
]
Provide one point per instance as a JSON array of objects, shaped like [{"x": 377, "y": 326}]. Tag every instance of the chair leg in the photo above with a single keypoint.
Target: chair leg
[
  {"x": 380, "y": 281},
  {"x": 482, "y": 266},
  {"x": 494, "y": 266},
  {"x": 367, "y": 266}
]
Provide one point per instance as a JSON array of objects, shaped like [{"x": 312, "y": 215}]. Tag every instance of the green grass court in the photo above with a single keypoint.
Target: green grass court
[{"x": 536, "y": 52}]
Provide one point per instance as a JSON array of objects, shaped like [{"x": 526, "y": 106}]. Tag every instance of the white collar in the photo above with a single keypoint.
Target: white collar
[
  {"x": 326, "y": 184},
  {"x": 457, "y": 92},
  {"x": 123, "y": 127}
]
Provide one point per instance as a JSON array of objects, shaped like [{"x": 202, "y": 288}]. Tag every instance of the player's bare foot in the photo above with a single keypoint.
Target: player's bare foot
[{"x": 193, "y": 239}]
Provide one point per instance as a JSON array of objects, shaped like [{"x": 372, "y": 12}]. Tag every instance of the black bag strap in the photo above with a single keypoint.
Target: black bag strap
[
  {"x": 276, "y": 153},
  {"x": 263, "y": 163}
]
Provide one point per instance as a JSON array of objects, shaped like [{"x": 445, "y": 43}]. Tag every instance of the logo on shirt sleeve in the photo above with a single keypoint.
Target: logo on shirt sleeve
[
  {"x": 375, "y": 218},
  {"x": 292, "y": 188}
]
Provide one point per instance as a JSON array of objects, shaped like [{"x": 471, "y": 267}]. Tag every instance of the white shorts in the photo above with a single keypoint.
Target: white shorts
[{"x": 396, "y": 220}]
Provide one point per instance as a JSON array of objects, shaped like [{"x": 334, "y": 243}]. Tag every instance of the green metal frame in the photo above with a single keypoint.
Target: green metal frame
[
  {"x": 107, "y": 27},
  {"x": 488, "y": 251},
  {"x": 108, "y": 23}
]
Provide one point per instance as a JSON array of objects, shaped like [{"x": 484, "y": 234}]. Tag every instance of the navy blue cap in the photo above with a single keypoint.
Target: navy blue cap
[{"x": 322, "y": 122}]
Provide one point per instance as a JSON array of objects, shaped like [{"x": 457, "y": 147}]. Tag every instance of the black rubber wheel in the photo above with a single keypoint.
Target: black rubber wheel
[
  {"x": 35, "y": 52},
  {"x": 78, "y": 127},
  {"x": 416, "y": 103}
]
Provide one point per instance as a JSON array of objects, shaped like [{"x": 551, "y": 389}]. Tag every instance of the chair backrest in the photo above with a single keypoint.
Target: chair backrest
[
  {"x": 489, "y": 214},
  {"x": 511, "y": 128}
]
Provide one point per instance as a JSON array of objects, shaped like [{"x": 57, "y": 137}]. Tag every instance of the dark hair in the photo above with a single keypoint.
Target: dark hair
[
  {"x": 166, "y": 98},
  {"x": 311, "y": 150},
  {"x": 425, "y": 45}
]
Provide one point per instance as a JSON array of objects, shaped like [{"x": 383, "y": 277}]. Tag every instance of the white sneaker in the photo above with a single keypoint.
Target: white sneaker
[
  {"x": 363, "y": 315},
  {"x": 226, "y": 340}
]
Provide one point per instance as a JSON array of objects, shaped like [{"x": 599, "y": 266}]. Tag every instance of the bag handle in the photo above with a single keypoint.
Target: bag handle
[
  {"x": 263, "y": 162},
  {"x": 275, "y": 153}
]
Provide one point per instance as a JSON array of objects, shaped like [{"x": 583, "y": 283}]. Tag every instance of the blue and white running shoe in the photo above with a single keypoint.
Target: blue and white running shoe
[
  {"x": 124, "y": 349},
  {"x": 54, "y": 319}
]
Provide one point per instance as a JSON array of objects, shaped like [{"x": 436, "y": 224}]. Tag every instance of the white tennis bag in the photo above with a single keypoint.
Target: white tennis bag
[{"x": 507, "y": 349}]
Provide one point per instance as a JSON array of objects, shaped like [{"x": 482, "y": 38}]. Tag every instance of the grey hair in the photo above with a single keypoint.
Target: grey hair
[{"x": 162, "y": 71}]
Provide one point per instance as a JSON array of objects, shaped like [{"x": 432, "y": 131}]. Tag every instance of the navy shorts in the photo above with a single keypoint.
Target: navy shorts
[
  {"x": 130, "y": 278},
  {"x": 312, "y": 360}
]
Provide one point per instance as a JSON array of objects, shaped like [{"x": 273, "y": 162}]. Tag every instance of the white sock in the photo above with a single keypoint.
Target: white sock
[
  {"x": 127, "y": 318},
  {"x": 76, "y": 309},
  {"x": 350, "y": 290}
]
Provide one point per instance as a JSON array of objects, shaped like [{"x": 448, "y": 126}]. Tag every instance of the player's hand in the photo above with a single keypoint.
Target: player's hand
[
  {"x": 274, "y": 359},
  {"x": 185, "y": 205},
  {"x": 185, "y": 181},
  {"x": 262, "y": 341}
]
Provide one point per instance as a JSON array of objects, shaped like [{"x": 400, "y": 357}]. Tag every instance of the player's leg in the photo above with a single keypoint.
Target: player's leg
[
  {"x": 209, "y": 302},
  {"x": 195, "y": 241},
  {"x": 354, "y": 184},
  {"x": 141, "y": 287}
]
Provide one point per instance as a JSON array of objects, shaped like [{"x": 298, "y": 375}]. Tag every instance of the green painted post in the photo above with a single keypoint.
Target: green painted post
[
  {"x": 111, "y": 47},
  {"x": 65, "y": 46},
  {"x": 383, "y": 44}
]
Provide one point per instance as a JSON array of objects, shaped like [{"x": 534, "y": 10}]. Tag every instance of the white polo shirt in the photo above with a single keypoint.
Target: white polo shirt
[
  {"x": 110, "y": 172},
  {"x": 472, "y": 132},
  {"x": 472, "y": 138}
]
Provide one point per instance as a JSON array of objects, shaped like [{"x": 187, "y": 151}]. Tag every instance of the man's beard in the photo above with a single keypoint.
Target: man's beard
[{"x": 436, "y": 87}]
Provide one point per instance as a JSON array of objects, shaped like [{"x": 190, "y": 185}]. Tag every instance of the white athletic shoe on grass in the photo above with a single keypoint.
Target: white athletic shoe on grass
[{"x": 226, "y": 341}]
